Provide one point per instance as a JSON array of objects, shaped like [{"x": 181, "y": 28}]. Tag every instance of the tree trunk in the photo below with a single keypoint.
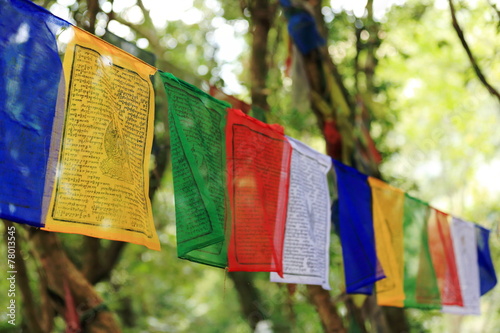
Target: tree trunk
[
  {"x": 59, "y": 269},
  {"x": 249, "y": 298},
  {"x": 39, "y": 317},
  {"x": 262, "y": 13},
  {"x": 327, "y": 311}
]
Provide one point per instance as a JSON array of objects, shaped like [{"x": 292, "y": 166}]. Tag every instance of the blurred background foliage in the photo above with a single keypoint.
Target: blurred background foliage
[{"x": 432, "y": 120}]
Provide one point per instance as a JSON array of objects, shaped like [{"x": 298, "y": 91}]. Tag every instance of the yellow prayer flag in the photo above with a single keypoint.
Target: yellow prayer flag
[
  {"x": 387, "y": 203},
  {"x": 102, "y": 182}
]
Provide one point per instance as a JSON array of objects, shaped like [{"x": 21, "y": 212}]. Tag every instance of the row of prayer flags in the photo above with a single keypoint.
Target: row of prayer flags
[
  {"x": 74, "y": 156},
  {"x": 415, "y": 255},
  {"x": 396, "y": 246},
  {"x": 419, "y": 267}
]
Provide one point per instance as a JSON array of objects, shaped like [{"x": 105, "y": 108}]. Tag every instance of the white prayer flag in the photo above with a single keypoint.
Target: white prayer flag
[
  {"x": 307, "y": 232},
  {"x": 464, "y": 245}
]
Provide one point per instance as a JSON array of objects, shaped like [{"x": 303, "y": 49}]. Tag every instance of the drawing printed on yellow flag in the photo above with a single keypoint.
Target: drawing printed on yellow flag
[{"x": 101, "y": 187}]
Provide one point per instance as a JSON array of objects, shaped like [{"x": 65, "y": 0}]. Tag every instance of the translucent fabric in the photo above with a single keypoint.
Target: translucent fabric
[
  {"x": 420, "y": 283},
  {"x": 464, "y": 243},
  {"x": 30, "y": 73},
  {"x": 355, "y": 222},
  {"x": 197, "y": 124},
  {"x": 487, "y": 274},
  {"x": 443, "y": 258},
  {"x": 102, "y": 186},
  {"x": 258, "y": 166},
  {"x": 307, "y": 235},
  {"x": 387, "y": 205}
]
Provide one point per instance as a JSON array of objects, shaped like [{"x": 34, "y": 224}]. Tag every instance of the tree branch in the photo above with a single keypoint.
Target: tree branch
[
  {"x": 473, "y": 61},
  {"x": 143, "y": 31},
  {"x": 397, "y": 319},
  {"x": 357, "y": 67},
  {"x": 93, "y": 9},
  {"x": 146, "y": 29},
  {"x": 497, "y": 11},
  {"x": 327, "y": 311},
  {"x": 373, "y": 42},
  {"x": 92, "y": 258},
  {"x": 99, "y": 261},
  {"x": 145, "y": 13},
  {"x": 48, "y": 312},
  {"x": 262, "y": 13},
  {"x": 355, "y": 314},
  {"x": 59, "y": 268}
]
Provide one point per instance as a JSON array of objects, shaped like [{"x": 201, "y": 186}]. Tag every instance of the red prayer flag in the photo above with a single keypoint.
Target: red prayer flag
[
  {"x": 443, "y": 258},
  {"x": 333, "y": 139},
  {"x": 258, "y": 166},
  {"x": 70, "y": 313}
]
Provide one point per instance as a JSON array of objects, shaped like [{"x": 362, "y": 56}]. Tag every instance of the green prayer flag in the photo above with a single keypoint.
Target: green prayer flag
[
  {"x": 420, "y": 283},
  {"x": 197, "y": 136}
]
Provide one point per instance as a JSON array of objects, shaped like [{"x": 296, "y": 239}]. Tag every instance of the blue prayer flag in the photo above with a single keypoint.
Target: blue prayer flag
[
  {"x": 487, "y": 275},
  {"x": 302, "y": 28},
  {"x": 30, "y": 73},
  {"x": 286, "y": 3},
  {"x": 355, "y": 224}
]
